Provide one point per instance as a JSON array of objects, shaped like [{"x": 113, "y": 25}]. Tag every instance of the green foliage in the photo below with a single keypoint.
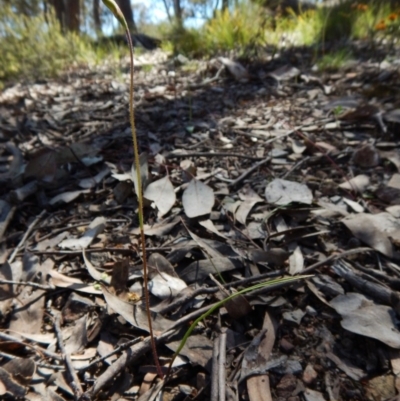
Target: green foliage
[
  {"x": 221, "y": 303},
  {"x": 189, "y": 42},
  {"x": 334, "y": 60},
  {"x": 228, "y": 30},
  {"x": 235, "y": 29},
  {"x": 346, "y": 20},
  {"x": 32, "y": 47}
]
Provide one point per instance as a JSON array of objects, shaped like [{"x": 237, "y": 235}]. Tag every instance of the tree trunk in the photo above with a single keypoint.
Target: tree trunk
[
  {"x": 59, "y": 9},
  {"x": 225, "y": 4},
  {"x": 178, "y": 13},
  {"x": 68, "y": 14},
  {"x": 73, "y": 15},
  {"x": 126, "y": 8},
  {"x": 96, "y": 16}
]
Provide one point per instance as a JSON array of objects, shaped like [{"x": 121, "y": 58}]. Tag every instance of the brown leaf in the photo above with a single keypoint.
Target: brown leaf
[
  {"x": 134, "y": 314},
  {"x": 119, "y": 278},
  {"x": 367, "y": 156},
  {"x": 362, "y": 316},
  {"x": 42, "y": 166},
  {"x": 363, "y": 227}
]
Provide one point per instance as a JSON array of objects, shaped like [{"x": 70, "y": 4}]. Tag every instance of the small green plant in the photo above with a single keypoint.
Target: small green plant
[
  {"x": 224, "y": 301},
  {"x": 334, "y": 61},
  {"x": 147, "y": 67},
  {"x": 337, "y": 111},
  {"x": 113, "y": 7}
]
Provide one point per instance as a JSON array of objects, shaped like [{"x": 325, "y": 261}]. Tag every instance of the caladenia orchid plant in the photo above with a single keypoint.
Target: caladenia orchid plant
[
  {"x": 113, "y": 7},
  {"x": 111, "y": 4}
]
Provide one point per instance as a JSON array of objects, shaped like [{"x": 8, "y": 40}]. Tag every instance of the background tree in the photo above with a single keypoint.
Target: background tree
[
  {"x": 26, "y": 7},
  {"x": 126, "y": 8},
  {"x": 68, "y": 14},
  {"x": 96, "y": 16},
  {"x": 178, "y": 13}
]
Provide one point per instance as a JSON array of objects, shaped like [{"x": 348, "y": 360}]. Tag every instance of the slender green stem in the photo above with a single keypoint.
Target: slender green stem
[
  {"x": 113, "y": 7},
  {"x": 140, "y": 201}
]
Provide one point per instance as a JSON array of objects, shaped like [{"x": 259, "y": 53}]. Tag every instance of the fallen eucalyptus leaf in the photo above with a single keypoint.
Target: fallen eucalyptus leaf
[{"x": 198, "y": 199}]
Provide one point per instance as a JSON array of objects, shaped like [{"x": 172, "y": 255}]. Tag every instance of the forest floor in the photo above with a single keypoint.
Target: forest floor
[{"x": 253, "y": 171}]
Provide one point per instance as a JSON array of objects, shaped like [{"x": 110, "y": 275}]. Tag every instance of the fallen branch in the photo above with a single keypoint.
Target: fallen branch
[{"x": 74, "y": 380}]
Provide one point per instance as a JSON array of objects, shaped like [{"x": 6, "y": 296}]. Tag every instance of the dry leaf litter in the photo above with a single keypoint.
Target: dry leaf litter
[{"x": 251, "y": 171}]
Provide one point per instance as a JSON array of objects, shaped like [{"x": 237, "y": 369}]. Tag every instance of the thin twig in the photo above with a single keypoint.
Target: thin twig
[
  {"x": 212, "y": 290},
  {"x": 26, "y": 235},
  {"x": 131, "y": 354},
  {"x": 248, "y": 172},
  {"x": 118, "y": 349},
  {"x": 41, "y": 364},
  {"x": 212, "y": 154},
  {"x": 100, "y": 250},
  {"x": 37, "y": 348},
  {"x": 214, "y": 376},
  {"x": 295, "y": 166},
  {"x": 331, "y": 258},
  {"x": 28, "y": 284},
  {"x": 136, "y": 351},
  {"x": 74, "y": 380},
  {"x": 180, "y": 300},
  {"x": 221, "y": 365},
  {"x": 207, "y": 81}
]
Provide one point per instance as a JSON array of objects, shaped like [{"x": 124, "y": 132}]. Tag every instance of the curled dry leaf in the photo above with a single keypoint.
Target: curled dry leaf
[
  {"x": 21, "y": 369},
  {"x": 63, "y": 281},
  {"x": 249, "y": 198},
  {"x": 77, "y": 338},
  {"x": 285, "y": 73},
  {"x": 133, "y": 313},
  {"x": 283, "y": 192},
  {"x": 198, "y": 349},
  {"x": 358, "y": 183},
  {"x": 374, "y": 230},
  {"x": 165, "y": 286},
  {"x": 42, "y": 166},
  {"x": 8, "y": 385},
  {"x": 161, "y": 228},
  {"x": 392, "y": 116},
  {"x": 209, "y": 225},
  {"x": 296, "y": 261},
  {"x": 200, "y": 269},
  {"x": 15, "y": 166},
  {"x": 144, "y": 173},
  {"x": 236, "y": 69},
  {"x": 95, "y": 228},
  {"x": 394, "y": 182},
  {"x": 96, "y": 275},
  {"x": 362, "y": 316},
  {"x": 198, "y": 199},
  {"x": 91, "y": 182},
  {"x": 6, "y": 290},
  {"x": 67, "y": 197},
  {"x": 367, "y": 156}
]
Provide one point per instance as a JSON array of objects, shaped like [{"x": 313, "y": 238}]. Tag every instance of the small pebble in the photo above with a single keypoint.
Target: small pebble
[
  {"x": 311, "y": 311},
  {"x": 309, "y": 374}
]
